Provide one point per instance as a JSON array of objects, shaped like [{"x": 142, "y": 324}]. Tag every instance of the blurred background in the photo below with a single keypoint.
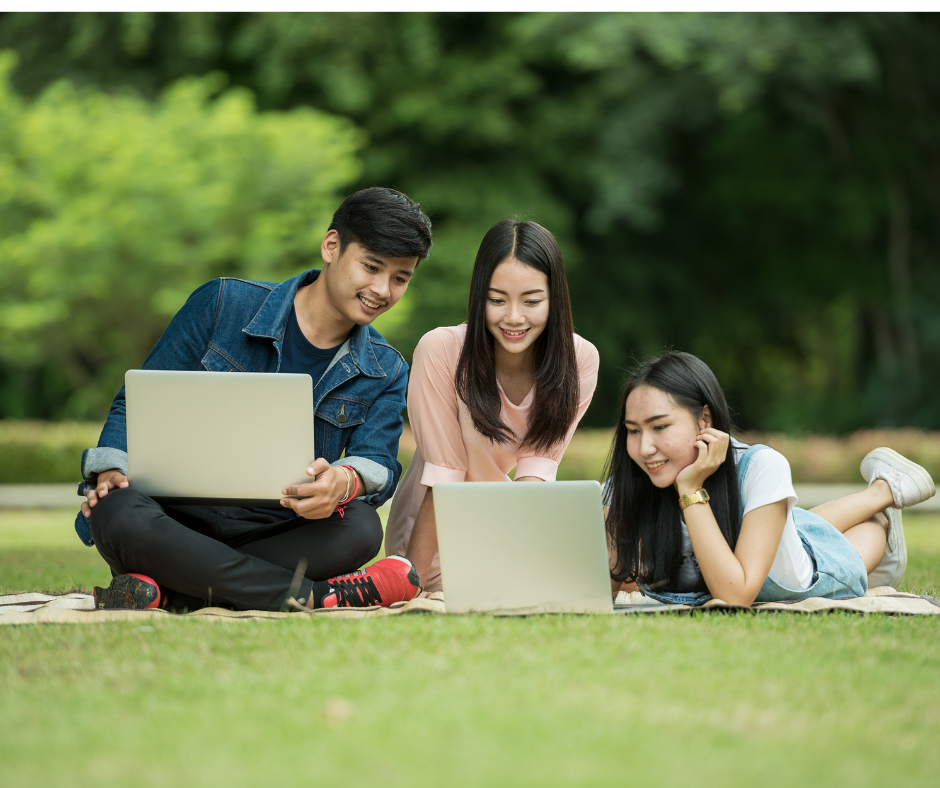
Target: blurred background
[{"x": 762, "y": 190}]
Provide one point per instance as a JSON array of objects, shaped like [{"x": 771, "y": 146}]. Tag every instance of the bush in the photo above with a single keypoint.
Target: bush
[
  {"x": 814, "y": 459},
  {"x": 34, "y": 452},
  {"x": 823, "y": 459},
  {"x": 113, "y": 209}
]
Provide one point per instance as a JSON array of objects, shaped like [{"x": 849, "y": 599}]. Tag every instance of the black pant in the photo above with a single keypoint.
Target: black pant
[{"x": 229, "y": 556}]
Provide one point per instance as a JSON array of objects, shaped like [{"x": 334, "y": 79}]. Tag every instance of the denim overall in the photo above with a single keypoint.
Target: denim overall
[{"x": 838, "y": 569}]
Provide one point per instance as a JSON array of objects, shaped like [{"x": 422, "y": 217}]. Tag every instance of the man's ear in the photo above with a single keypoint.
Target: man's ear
[
  {"x": 705, "y": 421},
  {"x": 330, "y": 247}
]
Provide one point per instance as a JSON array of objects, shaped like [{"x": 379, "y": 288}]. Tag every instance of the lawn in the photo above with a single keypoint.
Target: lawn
[{"x": 711, "y": 699}]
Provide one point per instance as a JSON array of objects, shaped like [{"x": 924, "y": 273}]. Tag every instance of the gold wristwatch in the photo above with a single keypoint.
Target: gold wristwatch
[{"x": 699, "y": 496}]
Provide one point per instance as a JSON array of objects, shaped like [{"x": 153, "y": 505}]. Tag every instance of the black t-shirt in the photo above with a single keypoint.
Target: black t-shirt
[{"x": 299, "y": 356}]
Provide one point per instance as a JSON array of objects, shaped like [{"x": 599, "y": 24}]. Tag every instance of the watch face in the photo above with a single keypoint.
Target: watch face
[{"x": 699, "y": 496}]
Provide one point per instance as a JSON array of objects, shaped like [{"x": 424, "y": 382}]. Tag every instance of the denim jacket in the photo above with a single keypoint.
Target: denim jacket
[{"x": 234, "y": 325}]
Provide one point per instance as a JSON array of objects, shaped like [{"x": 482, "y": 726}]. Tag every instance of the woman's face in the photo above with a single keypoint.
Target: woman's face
[
  {"x": 516, "y": 305},
  {"x": 661, "y": 435}
]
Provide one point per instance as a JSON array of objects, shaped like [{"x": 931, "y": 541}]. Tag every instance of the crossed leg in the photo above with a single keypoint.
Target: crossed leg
[
  {"x": 231, "y": 556},
  {"x": 860, "y": 518}
]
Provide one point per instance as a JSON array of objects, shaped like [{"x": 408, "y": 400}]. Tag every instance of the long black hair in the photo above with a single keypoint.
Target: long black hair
[
  {"x": 643, "y": 522},
  {"x": 557, "y": 389}
]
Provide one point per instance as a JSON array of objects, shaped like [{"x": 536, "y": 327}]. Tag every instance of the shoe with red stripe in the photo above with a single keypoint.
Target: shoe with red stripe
[
  {"x": 393, "y": 579},
  {"x": 130, "y": 592}
]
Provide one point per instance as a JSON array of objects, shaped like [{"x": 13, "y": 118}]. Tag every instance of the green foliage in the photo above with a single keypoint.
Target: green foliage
[
  {"x": 755, "y": 188},
  {"x": 822, "y": 459},
  {"x": 48, "y": 452},
  {"x": 814, "y": 459},
  {"x": 114, "y": 209},
  {"x": 44, "y": 453}
]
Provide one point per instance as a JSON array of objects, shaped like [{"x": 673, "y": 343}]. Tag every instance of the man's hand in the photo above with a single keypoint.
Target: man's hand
[
  {"x": 107, "y": 481},
  {"x": 317, "y": 499}
]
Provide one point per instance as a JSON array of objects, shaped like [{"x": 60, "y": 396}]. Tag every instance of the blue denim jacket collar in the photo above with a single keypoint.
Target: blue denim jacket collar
[{"x": 271, "y": 322}]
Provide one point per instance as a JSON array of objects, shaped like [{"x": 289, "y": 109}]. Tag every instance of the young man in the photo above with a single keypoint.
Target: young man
[{"x": 316, "y": 323}]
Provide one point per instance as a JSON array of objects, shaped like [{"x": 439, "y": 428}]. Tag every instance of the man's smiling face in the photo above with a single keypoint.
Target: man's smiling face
[{"x": 362, "y": 284}]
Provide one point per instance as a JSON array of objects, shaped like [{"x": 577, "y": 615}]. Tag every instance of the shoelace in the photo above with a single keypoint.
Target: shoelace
[{"x": 356, "y": 590}]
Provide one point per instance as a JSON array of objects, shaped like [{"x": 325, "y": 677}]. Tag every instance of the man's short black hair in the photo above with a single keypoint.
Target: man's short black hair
[{"x": 384, "y": 221}]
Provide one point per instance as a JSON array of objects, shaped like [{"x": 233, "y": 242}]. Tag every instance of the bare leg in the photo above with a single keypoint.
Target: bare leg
[
  {"x": 616, "y": 587},
  {"x": 870, "y": 539},
  {"x": 422, "y": 546},
  {"x": 850, "y": 510},
  {"x": 859, "y": 516}
]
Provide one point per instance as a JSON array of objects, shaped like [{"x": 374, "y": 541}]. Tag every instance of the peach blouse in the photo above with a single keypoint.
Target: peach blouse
[{"x": 449, "y": 448}]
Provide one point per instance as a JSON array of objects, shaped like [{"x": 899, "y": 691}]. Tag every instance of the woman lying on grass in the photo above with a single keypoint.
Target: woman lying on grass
[{"x": 688, "y": 519}]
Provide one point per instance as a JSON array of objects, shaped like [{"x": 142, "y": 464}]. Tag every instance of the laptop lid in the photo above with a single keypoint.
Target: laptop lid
[
  {"x": 218, "y": 438},
  {"x": 527, "y": 547}
]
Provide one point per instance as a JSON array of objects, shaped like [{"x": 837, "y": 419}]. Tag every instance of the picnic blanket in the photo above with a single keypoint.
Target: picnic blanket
[
  {"x": 78, "y": 608},
  {"x": 878, "y": 600}
]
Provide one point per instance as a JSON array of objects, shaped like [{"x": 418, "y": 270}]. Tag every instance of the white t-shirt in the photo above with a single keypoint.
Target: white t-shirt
[{"x": 767, "y": 480}]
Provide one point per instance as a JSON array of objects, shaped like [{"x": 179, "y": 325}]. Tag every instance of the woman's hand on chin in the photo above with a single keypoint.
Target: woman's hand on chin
[{"x": 712, "y": 447}]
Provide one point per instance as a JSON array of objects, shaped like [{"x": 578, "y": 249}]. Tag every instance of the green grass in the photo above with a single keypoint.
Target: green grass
[
  {"x": 711, "y": 699},
  {"x": 39, "y": 551}
]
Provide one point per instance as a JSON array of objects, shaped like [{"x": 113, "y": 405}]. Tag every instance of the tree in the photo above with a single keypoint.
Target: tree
[
  {"x": 757, "y": 188},
  {"x": 113, "y": 209}
]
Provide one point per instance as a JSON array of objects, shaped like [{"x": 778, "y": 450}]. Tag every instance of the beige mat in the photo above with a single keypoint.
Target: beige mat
[
  {"x": 78, "y": 608},
  {"x": 878, "y": 600}
]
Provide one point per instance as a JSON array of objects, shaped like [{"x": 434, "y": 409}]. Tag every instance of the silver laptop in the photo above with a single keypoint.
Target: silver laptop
[
  {"x": 218, "y": 438},
  {"x": 531, "y": 547}
]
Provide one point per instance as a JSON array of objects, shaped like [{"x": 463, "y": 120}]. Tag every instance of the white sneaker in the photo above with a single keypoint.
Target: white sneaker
[{"x": 910, "y": 484}]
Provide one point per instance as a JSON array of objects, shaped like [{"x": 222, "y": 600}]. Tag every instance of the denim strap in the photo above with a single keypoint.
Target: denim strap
[{"x": 742, "y": 462}]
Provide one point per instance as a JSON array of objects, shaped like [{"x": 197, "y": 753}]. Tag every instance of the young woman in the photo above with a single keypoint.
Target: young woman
[
  {"x": 693, "y": 514},
  {"x": 504, "y": 390}
]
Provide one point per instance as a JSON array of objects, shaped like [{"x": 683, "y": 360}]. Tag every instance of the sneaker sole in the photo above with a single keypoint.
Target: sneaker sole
[
  {"x": 897, "y": 528},
  {"x": 412, "y": 573},
  {"x": 923, "y": 480},
  {"x": 126, "y": 593},
  {"x": 901, "y": 546},
  {"x": 415, "y": 580}
]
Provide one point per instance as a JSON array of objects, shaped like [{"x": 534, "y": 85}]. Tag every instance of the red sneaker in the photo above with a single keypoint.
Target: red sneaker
[
  {"x": 393, "y": 579},
  {"x": 129, "y": 592}
]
